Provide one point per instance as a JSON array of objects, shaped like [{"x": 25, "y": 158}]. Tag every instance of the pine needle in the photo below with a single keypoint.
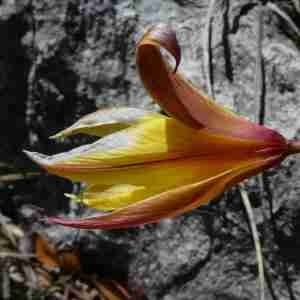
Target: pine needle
[
  {"x": 297, "y": 5},
  {"x": 260, "y": 96},
  {"x": 259, "y": 68},
  {"x": 275, "y": 8},
  {"x": 17, "y": 176},
  {"x": 207, "y": 48}
]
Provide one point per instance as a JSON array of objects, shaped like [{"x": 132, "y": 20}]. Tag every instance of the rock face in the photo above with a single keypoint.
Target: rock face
[{"x": 61, "y": 59}]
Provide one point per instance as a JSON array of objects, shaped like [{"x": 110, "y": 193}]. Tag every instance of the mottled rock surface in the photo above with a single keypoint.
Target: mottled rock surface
[{"x": 62, "y": 59}]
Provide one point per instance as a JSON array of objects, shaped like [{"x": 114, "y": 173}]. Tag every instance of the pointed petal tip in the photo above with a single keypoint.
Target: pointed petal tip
[
  {"x": 73, "y": 223},
  {"x": 30, "y": 154},
  {"x": 55, "y": 220},
  {"x": 36, "y": 157},
  {"x": 55, "y": 136},
  {"x": 61, "y": 134},
  {"x": 73, "y": 197}
]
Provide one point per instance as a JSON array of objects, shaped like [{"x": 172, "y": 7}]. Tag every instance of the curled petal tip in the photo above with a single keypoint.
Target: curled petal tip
[
  {"x": 182, "y": 100},
  {"x": 164, "y": 35}
]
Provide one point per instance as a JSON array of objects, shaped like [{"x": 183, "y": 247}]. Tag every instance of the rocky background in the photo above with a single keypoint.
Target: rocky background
[{"x": 61, "y": 59}]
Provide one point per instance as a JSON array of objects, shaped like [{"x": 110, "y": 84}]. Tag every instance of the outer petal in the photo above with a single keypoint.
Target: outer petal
[
  {"x": 119, "y": 187},
  {"x": 182, "y": 100},
  {"x": 172, "y": 202},
  {"x": 151, "y": 141},
  {"x": 106, "y": 121}
]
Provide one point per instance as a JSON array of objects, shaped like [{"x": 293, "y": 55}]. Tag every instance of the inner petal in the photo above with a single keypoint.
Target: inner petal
[{"x": 119, "y": 187}]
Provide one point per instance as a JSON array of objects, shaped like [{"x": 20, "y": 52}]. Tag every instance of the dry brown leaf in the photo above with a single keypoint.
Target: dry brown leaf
[
  {"x": 44, "y": 278},
  {"x": 111, "y": 290},
  {"x": 69, "y": 261},
  {"x": 46, "y": 253},
  {"x": 52, "y": 258}
]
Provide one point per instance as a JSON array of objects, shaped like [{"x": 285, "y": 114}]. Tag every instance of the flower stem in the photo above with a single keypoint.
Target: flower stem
[
  {"x": 293, "y": 147},
  {"x": 257, "y": 244}
]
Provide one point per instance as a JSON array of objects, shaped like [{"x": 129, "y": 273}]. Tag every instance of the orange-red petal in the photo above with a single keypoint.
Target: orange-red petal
[
  {"x": 172, "y": 202},
  {"x": 181, "y": 99}
]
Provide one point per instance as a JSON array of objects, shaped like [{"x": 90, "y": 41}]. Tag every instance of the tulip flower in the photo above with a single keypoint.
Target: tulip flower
[{"x": 147, "y": 166}]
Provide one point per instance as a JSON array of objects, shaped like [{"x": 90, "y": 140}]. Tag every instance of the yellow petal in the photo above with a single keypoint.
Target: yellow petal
[
  {"x": 111, "y": 198},
  {"x": 172, "y": 202},
  {"x": 151, "y": 141},
  {"x": 181, "y": 99},
  {"x": 118, "y": 187},
  {"x": 106, "y": 121}
]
